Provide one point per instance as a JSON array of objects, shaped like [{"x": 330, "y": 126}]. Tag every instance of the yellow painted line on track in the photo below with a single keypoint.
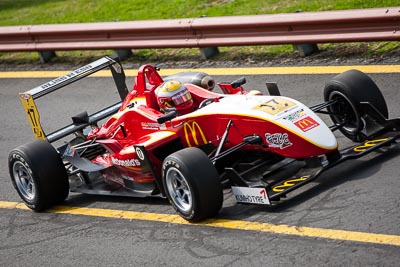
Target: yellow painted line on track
[
  {"x": 222, "y": 71},
  {"x": 393, "y": 240}
]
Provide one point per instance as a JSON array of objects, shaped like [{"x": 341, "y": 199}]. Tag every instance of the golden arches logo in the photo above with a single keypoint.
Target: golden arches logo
[
  {"x": 192, "y": 130},
  {"x": 306, "y": 124}
]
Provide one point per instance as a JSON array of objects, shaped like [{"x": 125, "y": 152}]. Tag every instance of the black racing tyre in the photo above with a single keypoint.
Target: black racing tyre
[
  {"x": 192, "y": 184},
  {"x": 349, "y": 89},
  {"x": 38, "y": 174}
]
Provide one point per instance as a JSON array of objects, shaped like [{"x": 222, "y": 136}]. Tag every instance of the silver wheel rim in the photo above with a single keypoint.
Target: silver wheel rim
[
  {"x": 24, "y": 181},
  {"x": 178, "y": 189}
]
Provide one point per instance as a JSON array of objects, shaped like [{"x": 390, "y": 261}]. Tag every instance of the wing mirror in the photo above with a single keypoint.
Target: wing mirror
[
  {"x": 167, "y": 117},
  {"x": 239, "y": 82}
]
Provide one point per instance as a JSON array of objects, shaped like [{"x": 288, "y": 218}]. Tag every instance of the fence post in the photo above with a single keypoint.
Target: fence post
[
  {"x": 305, "y": 49},
  {"x": 209, "y": 52},
  {"x": 46, "y": 56},
  {"x": 123, "y": 53}
]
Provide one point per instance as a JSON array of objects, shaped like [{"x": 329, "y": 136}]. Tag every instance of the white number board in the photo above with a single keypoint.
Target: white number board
[{"x": 250, "y": 195}]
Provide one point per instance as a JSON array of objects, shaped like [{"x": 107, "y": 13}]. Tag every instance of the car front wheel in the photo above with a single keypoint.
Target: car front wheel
[
  {"x": 349, "y": 90},
  {"x": 192, "y": 184}
]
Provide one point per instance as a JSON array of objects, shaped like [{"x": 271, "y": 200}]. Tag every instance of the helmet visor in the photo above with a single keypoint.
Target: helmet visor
[{"x": 182, "y": 97}]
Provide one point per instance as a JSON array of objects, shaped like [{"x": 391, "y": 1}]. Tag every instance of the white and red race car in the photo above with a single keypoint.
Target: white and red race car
[{"x": 260, "y": 146}]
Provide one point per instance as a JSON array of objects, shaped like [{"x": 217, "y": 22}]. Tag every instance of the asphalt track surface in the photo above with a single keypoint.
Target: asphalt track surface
[{"x": 348, "y": 217}]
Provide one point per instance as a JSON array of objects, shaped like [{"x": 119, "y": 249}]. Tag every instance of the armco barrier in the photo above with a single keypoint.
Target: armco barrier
[{"x": 377, "y": 24}]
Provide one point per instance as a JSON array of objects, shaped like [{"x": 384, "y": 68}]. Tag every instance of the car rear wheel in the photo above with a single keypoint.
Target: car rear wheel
[
  {"x": 192, "y": 184},
  {"x": 38, "y": 174},
  {"x": 349, "y": 89}
]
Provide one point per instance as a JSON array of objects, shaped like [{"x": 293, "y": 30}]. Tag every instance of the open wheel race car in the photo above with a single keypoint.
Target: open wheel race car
[{"x": 260, "y": 146}]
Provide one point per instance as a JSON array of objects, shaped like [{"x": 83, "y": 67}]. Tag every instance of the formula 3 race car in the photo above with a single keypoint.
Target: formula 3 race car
[{"x": 260, "y": 146}]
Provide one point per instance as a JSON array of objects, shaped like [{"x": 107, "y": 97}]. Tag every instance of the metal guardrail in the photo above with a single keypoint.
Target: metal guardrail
[{"x": 378, "y": 24}]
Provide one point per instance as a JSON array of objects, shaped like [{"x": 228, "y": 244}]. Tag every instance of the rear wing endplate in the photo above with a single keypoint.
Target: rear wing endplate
[{"x": 28, "y": 98}]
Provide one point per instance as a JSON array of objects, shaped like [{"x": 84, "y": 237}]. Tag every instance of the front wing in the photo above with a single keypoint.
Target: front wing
[{"x": 271, "y": 193}]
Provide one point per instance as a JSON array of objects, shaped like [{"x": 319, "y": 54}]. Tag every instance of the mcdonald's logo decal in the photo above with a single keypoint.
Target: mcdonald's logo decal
[
  {"x": 192, "y": 133},
  {"x": 306, "y": 124}
]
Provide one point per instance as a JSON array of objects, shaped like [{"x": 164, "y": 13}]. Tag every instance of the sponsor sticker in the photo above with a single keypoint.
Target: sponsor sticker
[
  {"x": 306, "y": 124},
  {"x": 66, "y": 77},
  {"x": 139, "y": 153},
  {"x": 126, "y": 162},
  {"x": 278, "y": 140},
  {"x": 250, "y": 195},
  {"x": 295, "y": 116},
  {"x": 153, "y": 126},
  {"x": 275, "y": 105}
]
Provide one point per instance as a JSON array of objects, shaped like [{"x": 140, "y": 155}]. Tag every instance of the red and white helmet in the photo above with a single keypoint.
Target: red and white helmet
[{"x": 173, "y": 94}]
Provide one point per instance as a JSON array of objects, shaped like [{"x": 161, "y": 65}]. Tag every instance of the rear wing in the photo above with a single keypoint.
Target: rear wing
[{"x": 28, "y": 97}]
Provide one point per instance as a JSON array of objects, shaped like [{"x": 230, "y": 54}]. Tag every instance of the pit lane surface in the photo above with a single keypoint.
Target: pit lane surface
[{"x": 352, "y": 211}]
